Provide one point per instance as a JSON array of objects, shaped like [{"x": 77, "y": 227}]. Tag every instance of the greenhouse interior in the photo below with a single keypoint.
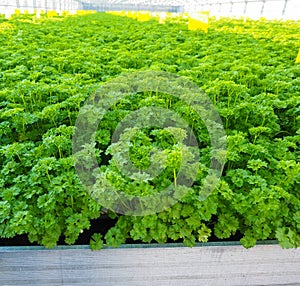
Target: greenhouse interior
[
  {"x": 150, "y": 123},
  {"x": 142, "y": 141}
]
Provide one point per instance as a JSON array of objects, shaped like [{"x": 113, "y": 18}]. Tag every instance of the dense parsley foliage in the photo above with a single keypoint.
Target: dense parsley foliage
[{"x": 49, "y": 67}]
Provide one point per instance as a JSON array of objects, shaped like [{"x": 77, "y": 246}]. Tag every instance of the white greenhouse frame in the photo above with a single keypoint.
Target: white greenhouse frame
[{"x": 255, "y": 9}]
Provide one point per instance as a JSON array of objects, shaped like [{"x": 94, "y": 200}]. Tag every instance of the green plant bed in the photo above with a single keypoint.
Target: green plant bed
[
  {"x": 49, "y": 67},
  {"x": 102, "y": 225}
]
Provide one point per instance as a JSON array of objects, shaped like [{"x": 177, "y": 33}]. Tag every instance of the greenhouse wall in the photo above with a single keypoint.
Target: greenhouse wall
[{"x": 255, "y": 9}]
